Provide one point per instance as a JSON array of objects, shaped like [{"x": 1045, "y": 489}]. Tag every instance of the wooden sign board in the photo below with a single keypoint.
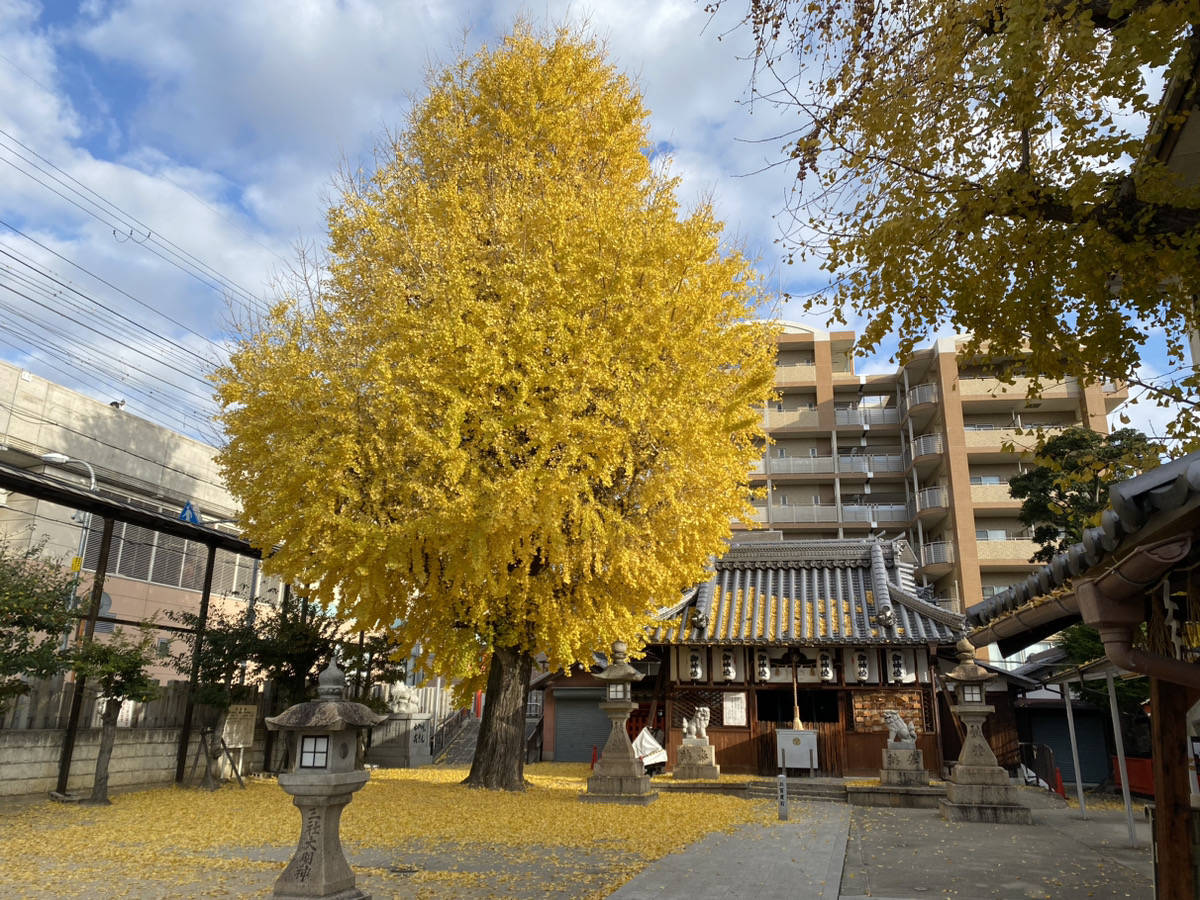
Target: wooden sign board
[{"x": 239, "y": 725}]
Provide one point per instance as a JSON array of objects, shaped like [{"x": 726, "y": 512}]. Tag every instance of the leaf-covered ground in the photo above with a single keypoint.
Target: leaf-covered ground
[{"x": 408, "y": 834}]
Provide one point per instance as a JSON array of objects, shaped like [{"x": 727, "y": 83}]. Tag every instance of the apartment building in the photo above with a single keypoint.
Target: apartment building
[
  {"x": 131, "y": 459},
  {"x": 923, "y": 453}
]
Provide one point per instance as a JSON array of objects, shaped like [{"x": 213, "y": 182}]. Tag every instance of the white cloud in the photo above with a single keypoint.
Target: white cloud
[{"x": 215, "y": 130}]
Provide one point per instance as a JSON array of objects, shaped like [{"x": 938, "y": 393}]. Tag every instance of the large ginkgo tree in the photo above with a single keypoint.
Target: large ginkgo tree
[{"x": 519, "y": 407}]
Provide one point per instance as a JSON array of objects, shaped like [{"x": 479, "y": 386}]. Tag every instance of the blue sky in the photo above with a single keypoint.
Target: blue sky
[{"x": 163, "y": 159}]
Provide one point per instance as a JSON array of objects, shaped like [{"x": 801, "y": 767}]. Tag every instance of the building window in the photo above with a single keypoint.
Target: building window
[
  {"x": 314, "y": 751},
  {"x": 783, "y": 500},
  {"x": 164, "y": 646},
  {"x": 986, "y": 479},
  {"x": 781, "y": 452},
  {"x": 779, "y": 406},
  {"x": 991, "y": 534},
  {"x": 812, "y": 452}
]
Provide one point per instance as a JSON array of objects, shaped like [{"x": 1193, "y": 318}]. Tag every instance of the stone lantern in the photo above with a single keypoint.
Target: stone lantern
[
  {"x": 619, "y": 776},
  {"x": 979, "y": 790},
  {"x": 326, "y": 769}
]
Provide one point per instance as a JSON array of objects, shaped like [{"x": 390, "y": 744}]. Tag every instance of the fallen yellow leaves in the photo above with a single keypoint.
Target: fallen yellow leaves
[{"x": 417, "y": 827}]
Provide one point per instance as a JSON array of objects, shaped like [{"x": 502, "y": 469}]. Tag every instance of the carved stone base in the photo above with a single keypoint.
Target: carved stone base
[
  {"x": 696, "y": 758},
  {"x": 629, "y": 789},
  {"x": 903, "y": 767},
  {"x": 994, "y": 814},
  {"x": 983, "y": 794},
  {"x": 348, "y": 894}
]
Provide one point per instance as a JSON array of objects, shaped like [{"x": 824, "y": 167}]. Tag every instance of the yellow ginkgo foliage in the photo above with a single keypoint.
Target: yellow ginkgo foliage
[{"x": 521, "y": 409}]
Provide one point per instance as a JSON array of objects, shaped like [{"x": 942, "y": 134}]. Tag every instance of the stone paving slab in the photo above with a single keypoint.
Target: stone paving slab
[
  {"x": 798, "y": 860},
  {"x": 903, "y": 854}
]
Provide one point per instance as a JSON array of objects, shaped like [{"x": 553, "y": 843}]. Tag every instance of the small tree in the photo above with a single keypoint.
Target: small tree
[
  {"x": 372, "y": 661},
  {"x": 291, "y": 645},
  {"x": 1067, "y": 490},
  {"x": 230, "y": 641},
  {"x": 36, "y": 597},
  {"x": 118, "y": 669}
]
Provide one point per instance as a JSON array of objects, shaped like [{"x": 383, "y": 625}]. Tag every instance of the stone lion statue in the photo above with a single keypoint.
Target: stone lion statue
[
  {"x": 404, "y": 699},
  {"x": 898, "y": 730},
  {"x": 697, "y": 726}
]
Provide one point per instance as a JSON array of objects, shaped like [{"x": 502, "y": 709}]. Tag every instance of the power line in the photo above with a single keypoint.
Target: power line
[{"x": 105, "y": 211}]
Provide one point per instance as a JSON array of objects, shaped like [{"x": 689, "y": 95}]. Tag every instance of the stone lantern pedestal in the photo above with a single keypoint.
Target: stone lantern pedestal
[
  {"x": 619, "y": 776},
  {"x": 979, "y": 790},
  {"x": 324, "y": 740}
]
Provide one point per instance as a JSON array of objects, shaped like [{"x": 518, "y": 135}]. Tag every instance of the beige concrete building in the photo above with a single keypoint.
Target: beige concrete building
[
  {"x": 924, "y": 452},
  {"x": 132, "y": 459}
]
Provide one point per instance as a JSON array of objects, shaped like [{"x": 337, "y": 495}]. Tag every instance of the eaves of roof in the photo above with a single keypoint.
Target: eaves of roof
[{"x": 1144, "y": 509}]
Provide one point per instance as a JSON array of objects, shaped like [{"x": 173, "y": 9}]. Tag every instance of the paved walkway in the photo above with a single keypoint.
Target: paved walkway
[
  {"x": 773, "y": 863},
  {"x": 844, "y": 852}
]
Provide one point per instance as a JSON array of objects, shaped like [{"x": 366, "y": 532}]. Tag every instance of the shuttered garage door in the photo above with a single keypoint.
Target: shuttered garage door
[
  {"x": 579, "y": 724},
  {"x": 1052, "y": 731}
]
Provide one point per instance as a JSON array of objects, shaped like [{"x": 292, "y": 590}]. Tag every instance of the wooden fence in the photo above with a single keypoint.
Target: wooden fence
[{"x": 48, "y": 704}]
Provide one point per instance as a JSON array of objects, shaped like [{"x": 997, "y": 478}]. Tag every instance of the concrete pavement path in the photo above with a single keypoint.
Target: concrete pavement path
[
  {"x": 798, "y": 860},
  {"x": 831, "y": 851}
]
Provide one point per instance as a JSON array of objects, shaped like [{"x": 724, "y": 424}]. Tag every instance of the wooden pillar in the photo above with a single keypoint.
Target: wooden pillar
[
  {"x": 185, "y": 732},
  {"x": 89, "y": 630},
  {"x": 1174, "y": 876}
]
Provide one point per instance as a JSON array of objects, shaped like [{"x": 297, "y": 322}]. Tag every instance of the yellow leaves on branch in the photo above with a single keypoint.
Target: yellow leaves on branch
[
  {"x": 993, "y": 168},
  {"x": 522, "y": 413}
]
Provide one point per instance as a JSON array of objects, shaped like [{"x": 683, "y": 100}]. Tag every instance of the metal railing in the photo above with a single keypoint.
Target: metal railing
[
  {"x": 867, "y": 416},
  {"x": 533, "y": 741},
  {"x": 925, "y": 445},
  {"x": 922, "y": 393},
  {"x": 937, "y": 552},
  {"x": 1037, "y": 766},
  {"x": 932, "y": 498},
  {"x": 447, "y": 730},
  {"x": 871, "y": 462}
]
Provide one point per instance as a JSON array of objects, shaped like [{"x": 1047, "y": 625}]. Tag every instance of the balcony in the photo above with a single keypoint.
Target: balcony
[
  {"x": 922, "y": 393},
  {"x": 995, "y": 437},
  {"x": 938, "y": 553},
  {"x": 1013, "y": 549},
  {"x": 803, "y": 515},
  {"x": 867, "y": 416},
  {"x": 791, "y": 374},
  {"x": 926, "y": 445},
  {"x": 874, "y": 513},
  {"x": 790, "y": 418},
  {"x": 871, "y": 463},
  {"x": 991, "y": 494},
  {"x": 932, "y": 498},
  {"x": 1018, "y": 390},
  {"x": 800, "y": 465}
]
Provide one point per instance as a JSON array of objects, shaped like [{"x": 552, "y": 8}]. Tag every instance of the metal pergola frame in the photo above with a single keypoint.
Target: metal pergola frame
[
  {"x": 1100, "y": 670},
  {"x": 110, "y": 510}
]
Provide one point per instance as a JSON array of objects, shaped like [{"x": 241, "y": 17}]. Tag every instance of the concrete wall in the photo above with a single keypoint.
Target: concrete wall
[{"x": 142, "y": 758}]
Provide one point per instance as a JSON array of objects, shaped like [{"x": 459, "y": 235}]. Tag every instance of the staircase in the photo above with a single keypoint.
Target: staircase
[
  {"x": 833, "y": 791},
  {"x": 461, "y": 750}
]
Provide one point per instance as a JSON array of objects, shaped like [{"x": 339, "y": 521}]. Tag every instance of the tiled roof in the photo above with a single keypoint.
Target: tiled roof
[{"x": 810, "y": 593}]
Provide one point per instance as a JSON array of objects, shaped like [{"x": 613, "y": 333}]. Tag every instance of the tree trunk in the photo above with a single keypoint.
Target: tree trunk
[
  {"x": 499, "y": 762},
  {"x": 108, "y": 735}
]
